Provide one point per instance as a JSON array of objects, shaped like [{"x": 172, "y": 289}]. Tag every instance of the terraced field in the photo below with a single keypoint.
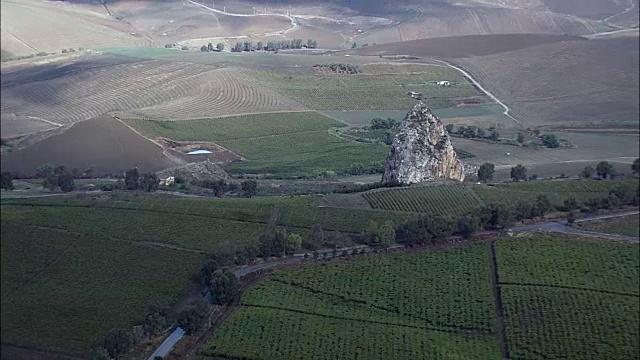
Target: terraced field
[{"x": 147, "y": 88}]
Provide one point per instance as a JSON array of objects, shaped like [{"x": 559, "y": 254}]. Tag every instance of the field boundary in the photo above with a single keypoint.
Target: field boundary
[
  {"x": 497, "y": 298},
  {"x": 577, "y": 288}
]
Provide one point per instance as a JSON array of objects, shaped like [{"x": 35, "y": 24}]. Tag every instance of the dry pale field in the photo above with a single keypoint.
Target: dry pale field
[
  {"x": 63, "y": 93},
  {"x": 593, "y": 82},
  {"x": 30, "y": 26},
  {"x": 107, "y": 144},
  {"x": 463, "y": 46}
]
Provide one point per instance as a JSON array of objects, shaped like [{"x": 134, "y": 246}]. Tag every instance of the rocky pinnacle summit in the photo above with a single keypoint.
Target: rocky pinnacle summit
[{"x": 422, "y": 151}]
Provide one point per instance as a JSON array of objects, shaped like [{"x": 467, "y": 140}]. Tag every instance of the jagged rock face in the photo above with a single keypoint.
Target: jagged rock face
[{"x": 422, "y": 151}]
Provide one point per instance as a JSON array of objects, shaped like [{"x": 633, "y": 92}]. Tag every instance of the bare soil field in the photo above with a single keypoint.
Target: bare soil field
[
  {"x": 96, "y": 85},
  {"x": 593, "y": 82},
  {"x": 103, "y": 142},
  {"x": 450, "y": 20},
  {"x": 30, "y": 26},
  {"x": 175, "y": 21},
  {"x": 463, "y": 46},
  {"x": 590, "y": 9}
]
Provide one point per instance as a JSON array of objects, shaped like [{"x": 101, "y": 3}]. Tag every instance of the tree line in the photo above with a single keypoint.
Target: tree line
[{"x": 274, "y": 45}]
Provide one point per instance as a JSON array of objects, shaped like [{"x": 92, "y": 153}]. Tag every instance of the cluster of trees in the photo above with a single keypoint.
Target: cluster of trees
[
  {"x": 209, "y": 47},
  {"x": 276, "y": 242},
  {"x": 146, "y": 182},
  {"x": 474, "y": 132},
  {"x": 274, "y": 45},
  {"x": 373, "y": 167},
  {"x": 379, "y": 236},
  {"x": 69, "y": 50},
  {"x": 54, "y": 177},
  {"x": 118, "y": 341},
  {"x": 340, "y": 68},
  {"x": 550, "y": 141},
  {"x": 6, "y": 181},
  {"x": 384, "y": 124}
]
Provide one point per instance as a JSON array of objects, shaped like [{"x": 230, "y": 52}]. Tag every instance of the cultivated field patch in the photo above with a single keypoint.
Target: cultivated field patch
[
  {"x": 628, "y": 226},
  {"x": 566, "y": 298},
  {"x": 103, "y": 143},
  {"x": 449, "y": 200},
  {"x": 373, "y": 308},
  {"x": 63, "y": 290}
]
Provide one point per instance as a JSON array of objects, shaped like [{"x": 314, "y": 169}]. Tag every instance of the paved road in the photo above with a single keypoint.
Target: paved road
[{"x": 168, "y": 343}]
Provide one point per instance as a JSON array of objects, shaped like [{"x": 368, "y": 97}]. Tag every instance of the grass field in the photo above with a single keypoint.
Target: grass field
[
  {"x": 570, "y": 299},
  {"x": 283, "y": 144},
  {"x": 628, "y": 226},
  {"x": 375, "y": 308},
  {"x": 63, "y": 290}
]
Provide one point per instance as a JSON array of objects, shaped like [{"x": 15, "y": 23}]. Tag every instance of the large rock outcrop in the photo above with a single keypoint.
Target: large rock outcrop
[{"x": 422, "y": 151}]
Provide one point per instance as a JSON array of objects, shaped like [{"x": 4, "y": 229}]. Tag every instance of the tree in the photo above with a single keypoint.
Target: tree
[
  {"x": 65, "y": 181},
  {"x": 193, "y": 316},
  {"x": 494, "y": 134},
  {"x": 571, "y": 203},
  {"x": 260, "y": 45},
  {"x": 209, "y": 47},
  {"x": 550, "y": 140},
  {"x": 97, "y": 353},
  {"x": 204, "y": 48},
  {"x": 635, "y": 167},
  {"x": 588, "y": 172},
  {"x": 273, "y": 243},
  {"x": 46, "y": 172},
  {"x": 156, "y": 320},
  {"x": 316, "y": 236},
  {"x": 386, "y": 234},
  {"x": 294, "y": 242},
  {"x": 542, "y": 206},
  {"x": 131, "y": 179},
  {"x": 571, "y": 217},
  {"x": 7, "y": 181},
  {"x": 518, "y": 173},
  {"x": 604, "y": 169},
  {"x": 523, "y": 210},
  {"x": 370, "y": 235},
  {"x": 248, "y": 46},
  {"x": 521, "y": 138},
  {"x": 449, "y": 128},
  {"x": 238, "y": 48},
  {"x": 354, "y": 45},
  {"x": 485, "y": 172},
  {"x": 117, "y": 341},
  {"x": 224, "y": 287},
  {"x": 149, "y": 182},
  {"x": 467, "y": 225},
  {"x": 249, "y": 188},
  {"x": 220, "y": 47},
  {"x": 501, "y": 216}
]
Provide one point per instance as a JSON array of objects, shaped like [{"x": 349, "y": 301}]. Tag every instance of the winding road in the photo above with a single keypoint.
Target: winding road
[{"x": 477, "y": 84}]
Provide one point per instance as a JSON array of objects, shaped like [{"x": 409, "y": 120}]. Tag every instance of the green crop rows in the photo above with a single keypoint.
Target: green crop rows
[
  {"x": 63, "y": 291},
  {"x": 237, "y": 127},
  {"x": 447, "y": 200},
  {"x": 628, "y": 226},
  {"x": 570, "y": 299},
  {"x": 376, "y": 308}
]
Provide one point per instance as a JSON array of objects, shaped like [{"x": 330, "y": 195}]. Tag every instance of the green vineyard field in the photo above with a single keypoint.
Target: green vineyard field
[{"x": 444, "y": 199}]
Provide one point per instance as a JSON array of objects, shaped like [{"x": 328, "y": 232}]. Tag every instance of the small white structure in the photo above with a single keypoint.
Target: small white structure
[
  {"x": 443, "y": 83},
  {"x": 168, "y": 181},
  {"x": 414, "y": 94}
]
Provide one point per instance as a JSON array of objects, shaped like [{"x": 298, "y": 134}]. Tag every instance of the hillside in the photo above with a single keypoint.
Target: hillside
[
  {"x": 576, "y": 82},
  {"x": 29, "y": 27},
  {"x": 463, "y": 46}
]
